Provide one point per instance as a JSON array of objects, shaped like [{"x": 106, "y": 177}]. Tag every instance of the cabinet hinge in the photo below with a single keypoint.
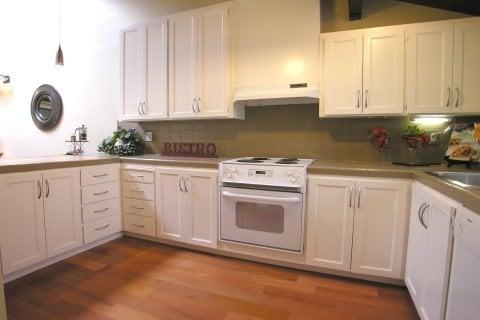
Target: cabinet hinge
[{"x": 405, "y": 104}]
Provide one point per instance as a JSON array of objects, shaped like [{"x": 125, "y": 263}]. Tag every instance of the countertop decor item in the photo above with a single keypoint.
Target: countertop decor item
[
  {"x": 77, "y": 140},
  {"x": 380, "y": 138},
  {"x": 46, "y": 107},
  {"x": 5, "y": 85},
  {"x": 192, "y": 149},
  {"x": 464, "y": 144},
  {"x": 123, "y": 143},
  {"x": 415, "y": 137}
]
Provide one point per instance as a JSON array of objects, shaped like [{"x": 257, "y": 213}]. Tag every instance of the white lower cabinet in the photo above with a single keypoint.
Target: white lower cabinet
[
  {"x": 429, "y": 251},
  {"x": 22, "y": 229},
  {"x": 357, "y": 224},
  {"x": 187, "y": 205},
  {"x": 63, "y": 212},
  {"x": 41, "y": 216}
]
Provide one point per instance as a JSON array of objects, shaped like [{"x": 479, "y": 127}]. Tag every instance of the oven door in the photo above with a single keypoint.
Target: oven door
[{"x": 265, "y": 218}]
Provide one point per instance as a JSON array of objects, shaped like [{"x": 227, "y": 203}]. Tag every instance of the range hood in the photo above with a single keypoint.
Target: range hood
[{"x": 296, "y": 93}]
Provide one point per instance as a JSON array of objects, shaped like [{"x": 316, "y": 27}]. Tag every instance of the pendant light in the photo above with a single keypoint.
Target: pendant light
[{"x": 59, "y": 56}]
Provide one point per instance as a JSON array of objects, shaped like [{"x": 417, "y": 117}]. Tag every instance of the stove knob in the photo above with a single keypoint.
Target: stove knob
[
  {"x": 229, "y": 175},
  {"x": 294, "y": 180},
  {"x": 289, "y": 173},
  {"x": 234, "y": 170}
]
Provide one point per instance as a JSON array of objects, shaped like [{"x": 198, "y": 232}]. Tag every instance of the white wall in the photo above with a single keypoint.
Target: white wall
[{"x": 89, "y": 82}]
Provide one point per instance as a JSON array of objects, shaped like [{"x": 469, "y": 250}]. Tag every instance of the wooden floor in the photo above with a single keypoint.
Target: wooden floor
[{"x": 134, "y": 279}]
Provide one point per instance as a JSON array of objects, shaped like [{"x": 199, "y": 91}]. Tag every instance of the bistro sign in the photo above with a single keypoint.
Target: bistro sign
[{"x": 190, "y": 149}]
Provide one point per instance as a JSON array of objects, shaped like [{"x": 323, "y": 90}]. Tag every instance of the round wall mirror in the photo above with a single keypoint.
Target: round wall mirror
[{"x": 46, "y": 107}]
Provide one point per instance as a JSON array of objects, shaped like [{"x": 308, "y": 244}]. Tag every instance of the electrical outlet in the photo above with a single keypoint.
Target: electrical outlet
[{"x": 148, "y": 136}]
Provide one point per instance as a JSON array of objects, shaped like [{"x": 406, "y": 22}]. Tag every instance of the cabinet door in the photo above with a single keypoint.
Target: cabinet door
[
  {"x": 379, "y": 236},
  {"x": 429, "y": 68},
  {"x": 343, "y": 73},
  {"x": 466, "y": 67},
  {"x": 213, "y": 56},
  {"x": 330, "y": 222},
  {"x": 156, "y": 102},
  {"x": 133, "y": 66},
  {"x": 437, "y": 218},
  {"x": 22, "y": 230},
  {"x": 169, "y": 198},
  {"x": 417, "y": 248},
  {"x": 383, "y": 71},
  {"x": 63, "y": 217},
  {"x": 182, "y": 65},
  {"x": 199, "y": 210}
]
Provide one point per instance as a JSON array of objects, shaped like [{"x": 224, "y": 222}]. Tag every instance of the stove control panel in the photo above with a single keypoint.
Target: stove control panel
[{"x": 265, "y": 175}]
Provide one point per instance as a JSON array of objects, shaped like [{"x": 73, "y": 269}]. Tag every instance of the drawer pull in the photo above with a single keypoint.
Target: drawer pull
[
  {"x": 138, "y": 225},
  {"x": 137, "y": 191},
  {"x": 137, "y": 208},
  {"x": 101, "y": 210},
  {"x": 139, "y": 177},
  {"x": 100, "y": 175},
  {"x": 100, "y": 193},
  {"x": 101, "y": 228}
]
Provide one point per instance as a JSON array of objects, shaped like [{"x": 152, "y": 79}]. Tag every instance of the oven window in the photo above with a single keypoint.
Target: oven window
[{"x": 260, "y": 217}]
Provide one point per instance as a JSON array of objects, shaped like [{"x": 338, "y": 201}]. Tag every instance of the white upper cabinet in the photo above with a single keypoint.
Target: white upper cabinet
[
  {"x": 466, "y": 67},
  {"x": 429, "y": 68},
  {"x": 182, "y": 65},
  {"x": 63, "y": 218},
  {"x": 342, "y": 78},
  {"x": 144, "y": 66},
  {"x": 383, "y": 71},
  {"x": 330, "y": 222},
  {"x": 200, "y": 62},
  {"x": 363, "y": 72},
  {"x": 213, "y": 61},
  {"x": 22, "y": 229}
]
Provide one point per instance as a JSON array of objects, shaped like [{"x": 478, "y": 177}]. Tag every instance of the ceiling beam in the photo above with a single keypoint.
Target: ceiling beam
[
  {"x": 471, "y": 7},
  {"x": 355, "y": 9}
]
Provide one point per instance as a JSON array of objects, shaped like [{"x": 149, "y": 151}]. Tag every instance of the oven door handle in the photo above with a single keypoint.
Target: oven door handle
[{"x": 260, "y": 198}]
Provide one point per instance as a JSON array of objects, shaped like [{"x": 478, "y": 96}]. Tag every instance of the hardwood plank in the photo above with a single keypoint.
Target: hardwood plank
[{"x": 135, "y": 279}]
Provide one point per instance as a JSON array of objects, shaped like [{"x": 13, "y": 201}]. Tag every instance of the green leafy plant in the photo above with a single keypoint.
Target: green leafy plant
[
  {"x": 123, "y": 143},
  {"x": 414, "y": 136}
]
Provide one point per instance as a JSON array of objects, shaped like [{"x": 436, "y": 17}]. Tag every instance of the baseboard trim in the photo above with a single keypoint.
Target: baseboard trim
[
  {"x": 292, "y": 265},
  {"x": 45, "y": 263}
]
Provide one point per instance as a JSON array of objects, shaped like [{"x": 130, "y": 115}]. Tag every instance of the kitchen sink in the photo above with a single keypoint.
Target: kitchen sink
[{"x": 469, "y": 180}]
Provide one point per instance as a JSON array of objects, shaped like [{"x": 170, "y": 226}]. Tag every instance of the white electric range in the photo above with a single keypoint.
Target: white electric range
[{"x": 263, "y": 202}]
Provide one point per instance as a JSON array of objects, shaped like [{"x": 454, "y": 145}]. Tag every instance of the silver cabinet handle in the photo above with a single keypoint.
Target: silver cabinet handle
[
  {"x": 139, "y": 177},
  {"x": 358, "y": 99},
  {"x": 350, "y": 197},
  {"x": 449, "y": 91},
  {"x": 137, "y": 191},
  {"x": 101, "y": 210},
  {"x": 366, "y": 98},
  {"x": 136, "y": 208},
  {"x": 144, "y": 107},
  {"x": 138, "y": 108},
  {"x": 47, "y": 188},
  {"x": 458, "y": 97},
  {"x": 101, "y": 228},
  {"x": 185, "y": 178},
  {"x": 39, "y": 186},
  {"x": 422, "y": 215},
  {"x": 180, "y": 183},
  {"x": 193, "y": 104},
  {"x": 419, "y": 213},
  {"x": 359, "y": 197},
  {"x": 100, "y": 175},
  {"x": 198, "y": 104},
  {"x": 138, "y": 225},
  {"x": 100, "y": 193}
]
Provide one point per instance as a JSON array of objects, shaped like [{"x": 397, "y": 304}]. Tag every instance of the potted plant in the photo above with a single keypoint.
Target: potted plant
[
  {"x": 415, "y": 137},
  {"x": 123, "y": 143}
]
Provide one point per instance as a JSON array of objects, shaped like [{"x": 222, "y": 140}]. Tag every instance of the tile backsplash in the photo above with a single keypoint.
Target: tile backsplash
[{"x": 290, "y": 131}]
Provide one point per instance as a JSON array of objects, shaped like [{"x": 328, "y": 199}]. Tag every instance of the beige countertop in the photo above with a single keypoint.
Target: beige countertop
[{"x": 470, "y": 198}]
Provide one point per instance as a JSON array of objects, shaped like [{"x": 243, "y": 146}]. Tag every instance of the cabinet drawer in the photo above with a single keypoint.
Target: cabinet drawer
[
  {"x": 140, "y": 225},
  {"x": 138, "y": 176},
  {"x": 101, "y": 228},
  {"x": 100, "y": 209},
  {"x": 99, "y": 192},
  {"x": 99, "y": 174},
  {"x": 139, "y": 207},
  {"x": 138, "y": 190}
]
